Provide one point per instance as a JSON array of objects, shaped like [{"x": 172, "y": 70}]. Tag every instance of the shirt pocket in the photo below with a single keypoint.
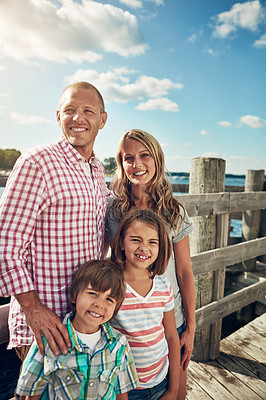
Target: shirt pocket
[
  {"x": 107, "y": 384},
  {"x": 65, "y": 384}
]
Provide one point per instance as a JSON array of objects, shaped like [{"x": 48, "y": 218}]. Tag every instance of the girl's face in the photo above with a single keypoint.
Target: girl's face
[
  {"x": 141, "y": 245},
  {"x": 138, "y": 163}
]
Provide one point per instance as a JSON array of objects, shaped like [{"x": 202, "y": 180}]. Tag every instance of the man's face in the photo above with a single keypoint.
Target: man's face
[{"x": 80, "y": 117}]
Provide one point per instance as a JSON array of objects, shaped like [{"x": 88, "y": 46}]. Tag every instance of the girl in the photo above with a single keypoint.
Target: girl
[
  {"x": 142, "y": 248},
  {"x": 140, "y": 182}
]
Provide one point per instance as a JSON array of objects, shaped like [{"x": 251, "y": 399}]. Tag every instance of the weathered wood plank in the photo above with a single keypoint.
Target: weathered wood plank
[
  {"x": 219, "y": 203},
  {"x": 246, "y": 376},
  {"x": 4, "y": 310},
  {"x": 208, "y": 381},
  {"x": 217, "y": 258},
  {"x": 195, "y": 392},
  {"x": 233, "y": 382},
  {"x": 244, "y": 358},
  {"x": 211, "y": 312}
]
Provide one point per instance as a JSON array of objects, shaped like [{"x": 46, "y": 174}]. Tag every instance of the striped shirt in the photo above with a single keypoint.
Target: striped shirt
[
  {"x": 140, "y": 320},
  {"x": 52, "y": 221},
  {"x": 82, "y": 373}
]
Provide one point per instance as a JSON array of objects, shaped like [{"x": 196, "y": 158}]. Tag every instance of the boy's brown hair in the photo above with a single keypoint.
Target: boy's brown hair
[
  {"x": 154, "y": 221},
  {"x": 101, "y": 275}
]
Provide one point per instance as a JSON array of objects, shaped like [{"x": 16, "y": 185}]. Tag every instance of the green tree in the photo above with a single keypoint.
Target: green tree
[
  {"x": 109, "y": 165},
  {"x": 8, "y": 157}
]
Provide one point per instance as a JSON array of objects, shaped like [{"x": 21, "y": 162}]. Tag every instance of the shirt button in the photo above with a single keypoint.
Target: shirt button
[
  {"x": 91, "y": 384},
  {"x": 68, "y": 378}
]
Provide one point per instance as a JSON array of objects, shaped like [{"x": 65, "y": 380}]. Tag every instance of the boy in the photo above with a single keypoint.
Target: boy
[{"x": 99, "y": 364}]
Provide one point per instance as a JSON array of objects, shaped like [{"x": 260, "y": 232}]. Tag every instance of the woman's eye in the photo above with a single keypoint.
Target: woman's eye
[
  {"x": 145, "y": 155},
  {"x": 129, "y": 159}
]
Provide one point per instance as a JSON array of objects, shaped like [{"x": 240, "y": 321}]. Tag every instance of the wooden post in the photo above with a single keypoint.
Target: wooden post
[
  {"x": 251, "y": 218},
  {"x": 262, "y": 232},
  {"x": 207, "y": 175}
]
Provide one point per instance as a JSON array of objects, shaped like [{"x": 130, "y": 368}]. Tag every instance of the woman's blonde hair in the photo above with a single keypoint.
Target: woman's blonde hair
[
  {"x": 153, "y": 220},
  {"x": 160, "y": 193}
]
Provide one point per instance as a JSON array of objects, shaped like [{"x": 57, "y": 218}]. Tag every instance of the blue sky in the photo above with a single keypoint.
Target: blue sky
[{"x": 192, "y": 73}]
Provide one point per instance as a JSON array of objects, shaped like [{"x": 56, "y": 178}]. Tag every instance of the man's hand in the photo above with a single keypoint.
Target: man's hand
[{"x": 43, "y": 321}]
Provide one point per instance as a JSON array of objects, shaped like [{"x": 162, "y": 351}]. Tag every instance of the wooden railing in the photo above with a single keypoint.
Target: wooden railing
[
  {"x": 220, "y": 204},
  {"x": 223, "y": 204}
]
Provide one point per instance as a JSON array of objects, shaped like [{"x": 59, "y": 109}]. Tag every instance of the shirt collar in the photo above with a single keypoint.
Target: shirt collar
[
  {"x": 107, "y": 335},
  {"x": 73, "y": 156}
]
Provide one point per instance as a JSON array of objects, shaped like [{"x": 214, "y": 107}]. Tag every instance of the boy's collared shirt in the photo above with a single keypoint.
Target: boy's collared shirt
[{"x": 82, "y": 373}]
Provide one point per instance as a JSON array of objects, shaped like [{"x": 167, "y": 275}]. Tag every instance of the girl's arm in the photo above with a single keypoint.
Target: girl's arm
[
  {"x": 187, "y": 288},
  {"x": 172, "y": 338}
]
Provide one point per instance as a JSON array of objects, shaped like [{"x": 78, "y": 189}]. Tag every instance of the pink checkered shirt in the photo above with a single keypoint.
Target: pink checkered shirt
[{"x": 51, "y": 222}]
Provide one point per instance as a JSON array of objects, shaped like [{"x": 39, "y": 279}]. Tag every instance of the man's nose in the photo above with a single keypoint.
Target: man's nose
[{"x": 78, "y": 116}]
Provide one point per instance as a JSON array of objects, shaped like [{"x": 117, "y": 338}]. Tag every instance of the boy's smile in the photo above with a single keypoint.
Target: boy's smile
[{"x": 93, "y": 309}]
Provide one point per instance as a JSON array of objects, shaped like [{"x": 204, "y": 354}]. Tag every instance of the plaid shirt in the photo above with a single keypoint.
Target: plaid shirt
[
  {"x": 52, "y": 221},
  {"x": 82, "y": 373}
]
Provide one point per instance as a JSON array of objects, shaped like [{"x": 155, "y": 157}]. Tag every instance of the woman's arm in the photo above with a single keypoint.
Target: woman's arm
[
  {"x": 105, "y": 246},
  {"x": 36, "y": 397},
  {"x": 172, "y": 338},
  {"x": 186, "y": 284}
]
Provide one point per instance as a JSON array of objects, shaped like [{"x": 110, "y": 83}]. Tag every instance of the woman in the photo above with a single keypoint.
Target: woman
[{"x": 140, "y": 182}]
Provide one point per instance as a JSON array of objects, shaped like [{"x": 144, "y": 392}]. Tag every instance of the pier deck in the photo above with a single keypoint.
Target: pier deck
[{"x": 240, "y": 370}]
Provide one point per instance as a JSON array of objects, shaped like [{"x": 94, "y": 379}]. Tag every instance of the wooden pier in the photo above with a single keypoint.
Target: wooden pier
[{"x": 240, "y": 370}]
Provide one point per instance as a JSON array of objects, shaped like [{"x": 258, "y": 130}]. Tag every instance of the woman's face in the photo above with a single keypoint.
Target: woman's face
[{"x": 138, "y": 163}]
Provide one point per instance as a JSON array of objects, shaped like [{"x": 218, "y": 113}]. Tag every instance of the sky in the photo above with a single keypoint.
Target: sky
[{"x": 190, "y": 72}]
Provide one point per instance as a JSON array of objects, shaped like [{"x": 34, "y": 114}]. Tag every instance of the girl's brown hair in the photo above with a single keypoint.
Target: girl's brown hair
[
  {"x": 101, "y": 275},
  {"x": 160, "y": 193},
  {"x": 154, "y": 221}
]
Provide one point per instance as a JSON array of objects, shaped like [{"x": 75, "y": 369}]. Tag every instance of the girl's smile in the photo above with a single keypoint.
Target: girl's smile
[{"x": 141, "y": 245}]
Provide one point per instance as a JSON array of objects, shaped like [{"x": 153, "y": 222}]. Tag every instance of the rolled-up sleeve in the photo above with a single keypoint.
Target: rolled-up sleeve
[{"x": 20, "y": 205}]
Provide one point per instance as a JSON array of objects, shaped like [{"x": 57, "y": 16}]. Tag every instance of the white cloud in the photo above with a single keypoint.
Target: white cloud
[
  {"x": 192, "y": 38},
  {"x": 261, "y": 42},
  {"x": 117, "y": 85},
  {"x": 22, "y": 119},
  {"x": 204, "y": 132},
  {"x": 5, "y": 95},
  {"x": 132, "y": 3},
  {"x": 2, "y": 68},
  {"x": 253, "y": 121},
  {"x": 211, "y": 155},
  {"x": 246, "y": 15},
  {"x": 161, "y": 103},
  {"x": 224, "y": 124},
  {"x": 188, "y": 144},
  {"x": 76, "y": 32},
  {"x": 211, "y": 52}
]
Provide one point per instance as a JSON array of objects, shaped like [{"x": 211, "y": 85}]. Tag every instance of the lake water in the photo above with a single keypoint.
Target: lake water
[{"x": 183, "y": 179}]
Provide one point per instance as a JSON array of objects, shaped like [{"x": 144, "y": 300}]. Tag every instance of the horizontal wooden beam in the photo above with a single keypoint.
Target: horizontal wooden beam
[
  {"x": 220, "y": 203},
  {"x": 212, "y": 260},
  {"x": 218, "y": 309}
]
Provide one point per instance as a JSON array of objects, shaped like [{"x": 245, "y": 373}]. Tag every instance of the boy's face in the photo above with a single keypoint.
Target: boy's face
[{"x": 93, "y": 309}]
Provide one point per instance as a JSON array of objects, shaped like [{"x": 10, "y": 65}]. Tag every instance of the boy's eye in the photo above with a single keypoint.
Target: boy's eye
[
  {"x": 110, "y": 300},
  {"x": 92, "y": 293}
]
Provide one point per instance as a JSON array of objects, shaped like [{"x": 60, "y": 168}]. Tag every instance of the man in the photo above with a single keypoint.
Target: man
[{"x": 52, "y": 221}]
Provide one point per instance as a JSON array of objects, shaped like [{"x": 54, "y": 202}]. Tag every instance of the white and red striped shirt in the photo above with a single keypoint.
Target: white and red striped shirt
[
  {"x": 140, "y": 320},
  {"x": 51, "y": 222}
]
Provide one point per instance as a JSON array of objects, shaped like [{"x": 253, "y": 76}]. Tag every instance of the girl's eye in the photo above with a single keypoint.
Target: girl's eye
[{"x": 153, "y": 242}]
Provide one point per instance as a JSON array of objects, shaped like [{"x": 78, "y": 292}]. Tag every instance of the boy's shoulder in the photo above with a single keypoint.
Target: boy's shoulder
[{"x": 113, "y": 334}]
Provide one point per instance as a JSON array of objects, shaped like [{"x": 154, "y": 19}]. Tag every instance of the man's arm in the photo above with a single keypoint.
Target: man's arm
[{"x": 43, "y": 321}]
